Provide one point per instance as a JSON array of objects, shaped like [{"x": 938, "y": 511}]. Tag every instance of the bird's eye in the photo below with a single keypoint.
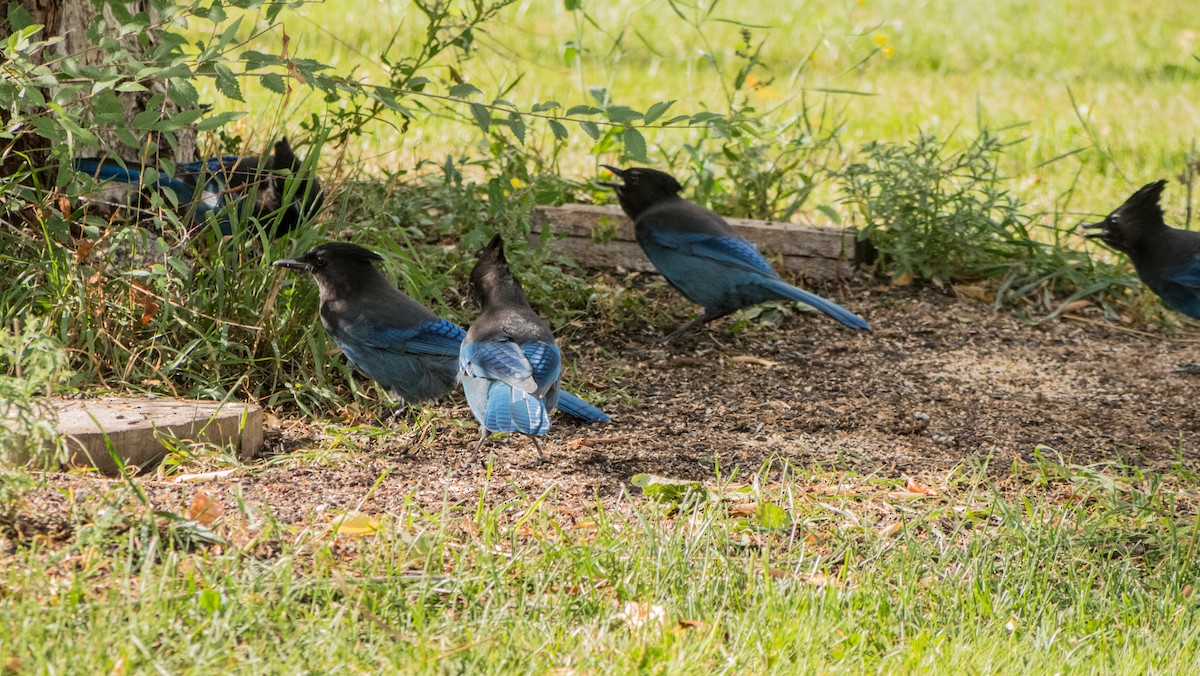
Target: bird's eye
[{"x": 319, "y": 261}]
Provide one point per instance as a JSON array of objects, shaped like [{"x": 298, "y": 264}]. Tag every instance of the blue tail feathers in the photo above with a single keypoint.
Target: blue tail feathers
[
  {"x": 830, "y": 308},
  {"x": 573, "y": 405},
  {"x": 513, "y": 410}
]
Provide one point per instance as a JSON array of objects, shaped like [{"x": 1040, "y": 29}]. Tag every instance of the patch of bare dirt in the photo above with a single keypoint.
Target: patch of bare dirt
[{"x": 938, "y": 383}]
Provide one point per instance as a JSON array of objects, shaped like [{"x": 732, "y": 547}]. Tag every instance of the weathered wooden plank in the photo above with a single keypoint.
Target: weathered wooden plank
[
  {"x": 135, "y": 427},
  {"x": 602, "y": 236}
]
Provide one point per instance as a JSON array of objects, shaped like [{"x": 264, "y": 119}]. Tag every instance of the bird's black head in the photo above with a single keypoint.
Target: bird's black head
[
  {"x": 306, "y": 196},
  {"x": 1140, "y": 215},
  {"x": 640, "y": 188},
  {"x": 491, "y": 278},
  {"x": 331, "y": 257}
]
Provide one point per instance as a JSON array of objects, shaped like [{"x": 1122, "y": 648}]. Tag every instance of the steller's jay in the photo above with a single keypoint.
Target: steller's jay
[
  {"x": 393, "y": 339},
  {"x": 701, "y": 255},
  {"x": 219, "y": 184},
  {"x": 509, "y": 365},
  {"x": 1166, "y": 259}
]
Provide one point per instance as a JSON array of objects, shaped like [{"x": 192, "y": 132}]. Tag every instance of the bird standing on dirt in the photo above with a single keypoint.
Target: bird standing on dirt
[
  {"x": 700, "y": 254},
  {"x": 1166, "y": 259},
  {"x": 509, "y": 365},
  {"x": 393, "y": 339},
  {"x": 219, "y": 185}
]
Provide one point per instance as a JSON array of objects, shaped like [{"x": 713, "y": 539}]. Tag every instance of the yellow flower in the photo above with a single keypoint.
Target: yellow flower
[
  {"x": 880, "y": 39},
  {"x": 517, "y": 183},
  {"x": 888, "y": 52}
]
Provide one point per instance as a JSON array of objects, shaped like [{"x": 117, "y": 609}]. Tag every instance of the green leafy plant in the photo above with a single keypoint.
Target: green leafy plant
[{"x": 943, "y": 212}]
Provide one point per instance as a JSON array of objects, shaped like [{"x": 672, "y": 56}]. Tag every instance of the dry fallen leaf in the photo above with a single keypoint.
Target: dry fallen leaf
[
  {"x": 356, "y": 524},
  {"x": 974, "y": 292},
  {"x": 203, "y": 509},
  {"x": 203, "y": 476},
  {"x": 743, "y": 508},
  {"x": 693, "y": 624},
  {"x": 636, "y": 615},
  {"x": 82, "y": 248},
  {"x": 1187, "y": 591},
  {"x": 1075, "y": 306},
  {"x": 889, "y": 530},
  {"x": 914, "y": 486},
  {"x": 749, "y": 359},
  {"x": 147, "y": 301},
  {"x": 905, "y": 279},
  {"x": 821, "y": 580}
]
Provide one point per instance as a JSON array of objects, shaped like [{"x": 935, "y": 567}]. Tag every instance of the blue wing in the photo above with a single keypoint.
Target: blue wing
[
  {"x": 110, "y": 170},
  {"x": 416, "y": 363},
  {"x": 500, "y": 360},
  {"x": 1180, "y": 288},
  {"x": 501, "y": 383},
  {"x": 734, "y": 252},
  {"x": 439, "y": 337}
]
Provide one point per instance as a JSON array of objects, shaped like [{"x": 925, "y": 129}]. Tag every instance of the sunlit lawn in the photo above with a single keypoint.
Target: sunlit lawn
[{"x": 937, "y": 67}]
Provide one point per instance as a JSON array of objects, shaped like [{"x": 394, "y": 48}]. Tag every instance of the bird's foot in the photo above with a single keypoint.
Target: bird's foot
[
  {"x": 1188, "y": 369},
  {"x": 542, "y": 458},
  {"x": 396, "y": 415}
]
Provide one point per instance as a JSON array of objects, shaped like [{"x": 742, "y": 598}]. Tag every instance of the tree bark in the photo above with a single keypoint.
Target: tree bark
[{"x": 70, "y": 20}]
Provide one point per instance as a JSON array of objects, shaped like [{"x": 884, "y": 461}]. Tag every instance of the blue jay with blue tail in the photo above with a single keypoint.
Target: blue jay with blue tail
[
  {"x": 396, "y": 341},
  {"x": 701, "y": 255},
  {"x": 220, "y": 184},
  {"x": 1166, "y": 259},
  {"x": 509, "y": 365}
]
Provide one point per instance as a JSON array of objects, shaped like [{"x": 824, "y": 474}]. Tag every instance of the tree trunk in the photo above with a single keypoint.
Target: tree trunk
[{"x": 70, "y": 19}]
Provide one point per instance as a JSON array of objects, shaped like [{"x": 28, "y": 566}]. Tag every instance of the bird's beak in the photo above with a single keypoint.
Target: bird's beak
[
  {"x": 293, "y": 264},
  {"x": 611, "y": 184},
  {"x": 1093, "y": 226}
]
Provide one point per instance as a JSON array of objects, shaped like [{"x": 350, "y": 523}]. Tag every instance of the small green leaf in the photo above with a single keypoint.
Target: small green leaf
[
  {"x": 517, "y": 125},
  {"x": 656, "y": 111},
  {"x": 483, "y": 116},
  {"x": 635, "y": 144},
  {"x": 227, "y": 83},
  {"x": 219, "y": 120},
  {"x": 622, "y": 114},
  {"x": 560, "y": 132},
  {"x": 464, "y": 90},
  {"x": 583, "y": 110},
  {"x": 664, "y": 489},
  {"x": 210, "y": 600},
  {"x": 591, "y": 129},
  {"x": 273, "y": 82},
  {"x": 770, "y": 516},
  {"x": 702, "y": 118},
  {"x": 831, "y": 213}
]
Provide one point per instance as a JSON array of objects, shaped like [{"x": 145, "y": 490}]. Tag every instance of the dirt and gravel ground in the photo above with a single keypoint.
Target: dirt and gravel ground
[{"x": 940, "y": 382}]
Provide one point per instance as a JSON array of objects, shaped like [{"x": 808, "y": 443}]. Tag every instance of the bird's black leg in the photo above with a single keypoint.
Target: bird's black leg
[
  {"x": 397, "y": 413},
  {"x": 483, "y": 435},
  {"x": 542, "y": 457},
  {"x": 698, "y": 321}
]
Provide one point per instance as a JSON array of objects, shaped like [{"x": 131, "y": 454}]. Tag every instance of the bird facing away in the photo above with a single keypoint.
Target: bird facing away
[
  {"x": 1166, "y": 259},
  {"x": 396, "y": 341},
  {"x": 218, "y": 185},
  {"x": 509, "y": 365},
  {"x": 701, "y": 255}
]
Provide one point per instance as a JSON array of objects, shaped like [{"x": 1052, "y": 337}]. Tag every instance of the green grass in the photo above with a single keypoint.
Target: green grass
[
  {"x": 1114, "y": 80},
  {"x": 1042, "y": 569}
]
